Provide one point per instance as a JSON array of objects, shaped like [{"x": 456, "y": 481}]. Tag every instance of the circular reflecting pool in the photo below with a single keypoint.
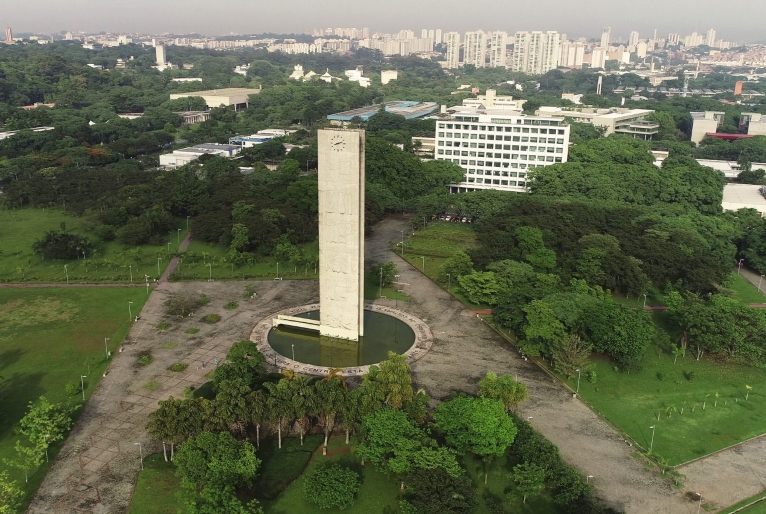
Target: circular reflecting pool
[{"x": 382, "y": 334}]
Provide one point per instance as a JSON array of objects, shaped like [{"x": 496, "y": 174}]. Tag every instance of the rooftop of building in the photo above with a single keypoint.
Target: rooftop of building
[
  {"x": 408, "y": 109},
  {"x": 614, "y": 112},
  {"x": 227, "y": 91},
  {"x": 742, "y": 196}
]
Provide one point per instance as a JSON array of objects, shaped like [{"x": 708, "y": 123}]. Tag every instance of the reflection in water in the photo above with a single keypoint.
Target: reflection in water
[{"x": 383, "y": 333}]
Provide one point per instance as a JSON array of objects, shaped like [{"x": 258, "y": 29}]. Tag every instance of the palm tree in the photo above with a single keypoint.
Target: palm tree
[
  {"x": 231, "y": 405},
  {"x": 303, "y": 402},
  {"x": 330, "y": 397},
  {"x": 278, "y": 405},
  {"x": 256, "y": 407}
]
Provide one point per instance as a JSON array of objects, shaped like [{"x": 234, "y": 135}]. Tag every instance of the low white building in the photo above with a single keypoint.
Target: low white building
[
  {"x": 187, "y": 155},
  {"x": 497, "y": 148},
  {"x": 491, "y": 100},
  {"x": 387, "y": 76},
  {"x": 704, "y": 122},
  {"x": 616, "y": 120}
]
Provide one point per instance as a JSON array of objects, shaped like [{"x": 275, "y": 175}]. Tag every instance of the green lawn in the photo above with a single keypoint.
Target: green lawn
[
  {"x": 200, "y": 254},
  {"x": 49, "y": 338},
  {"x": 692, "y": 421},
  {"x": 157, "y": 488},
  {"x": 744, "y": 291},
  {"x": 498, "y": 488},
  {"x": 757, "y": 508},
  {"x": 427, "y": 250},
  {"x": 112, "y": 263},
  {"x": 377, "y": 491}
]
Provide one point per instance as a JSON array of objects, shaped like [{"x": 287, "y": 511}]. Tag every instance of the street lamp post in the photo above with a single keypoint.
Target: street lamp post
[
  {"x": 644, "y": 300},
  {"x": 402, "y": 231},
  {"x": 293, "y": 348},
  {"x": 651, "y": 443},
  {"x": 210, "y": 272},
  {"x": 158, "y": 266},
  {"x": 699, "y": 505},
  {"x": 587, "y": 479},
  {"x": 277, "y": 269},
  {"x": 106, "y": 346},
  {"x": 380, "y": 287},
  {"x": 759, "y": 283},
  {"x": 168, "y": 247},
  {"x": 739, "y": 267},
  {"x": 130, "y": 312},
  {"x": 187, "y": 223},
  {"x": 146, "y": 277},
  {"x": 131, "y": 272},
  {"x": 82, "y": 383},
  {"x": 179, "y": 239},
  {"x": 424, "y": 263},
  {"x": 66, "y": 271},
  {"x": 577, "y": 391},
  {"x": 140, "y": 455}
]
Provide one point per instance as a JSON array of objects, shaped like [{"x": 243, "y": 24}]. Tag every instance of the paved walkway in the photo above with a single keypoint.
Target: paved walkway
[{"x": 97, "y": 468}]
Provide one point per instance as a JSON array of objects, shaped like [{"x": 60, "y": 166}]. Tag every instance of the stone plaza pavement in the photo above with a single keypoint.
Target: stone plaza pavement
[{"x": 97, "y": 468}]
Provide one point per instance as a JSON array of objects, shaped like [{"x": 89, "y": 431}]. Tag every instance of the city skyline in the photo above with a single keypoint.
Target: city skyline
[{"x": 576, "y": 18}]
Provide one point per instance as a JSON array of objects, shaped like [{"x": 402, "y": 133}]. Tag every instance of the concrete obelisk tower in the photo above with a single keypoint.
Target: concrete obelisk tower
[{"x": 341, "y": 233}]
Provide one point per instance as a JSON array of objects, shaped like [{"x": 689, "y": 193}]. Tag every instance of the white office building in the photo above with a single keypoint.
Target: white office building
[
  {"x": 536, "y": 52},
  {"x": 606, "y": 37},
  {"x": 633, "y": 39},
  {"x": 452, "y": 39},
  {"x": 475, "y": 49},
  {"x": 497, "y": 149}
]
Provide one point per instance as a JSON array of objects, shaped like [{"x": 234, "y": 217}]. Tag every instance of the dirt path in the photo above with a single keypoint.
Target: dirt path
[{"x": 466, "y": 348}]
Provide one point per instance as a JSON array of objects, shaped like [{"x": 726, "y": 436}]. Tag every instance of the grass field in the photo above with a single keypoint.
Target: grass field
[
  {"x": 499, "y": 487},
  {"x": 697, "y": 407},
  {"x": 377, "y": 491},
  {"x": 113, "y": 262},
  {"x": 744, "y": 291},
  {"x": 199, "y": 254},
  {"x": 157, "y": 488},
  {"x": 428, "y": 250},
  {"x": 49, "y": 338}
]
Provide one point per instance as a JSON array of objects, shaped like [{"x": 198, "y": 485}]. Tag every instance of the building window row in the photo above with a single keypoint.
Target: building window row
[{"x": 490, "y": 128}]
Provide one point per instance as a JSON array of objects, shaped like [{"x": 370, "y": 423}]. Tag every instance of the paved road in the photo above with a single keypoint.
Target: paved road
[{"x": 466, "y": 348}]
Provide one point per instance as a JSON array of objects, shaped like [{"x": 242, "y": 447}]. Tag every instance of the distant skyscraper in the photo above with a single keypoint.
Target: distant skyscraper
[
  {"x": 633, "y": 39},
  {"x": 674, "y": 39},
  {"x": 8, "y": 36},
  {"x": 424, "y": 33},
  {"x": 572, "y": 54},
  {"x": 710, "y": 38},
  {"x": 161, "y": 57},
  {"x": 598, "y": 58},
  {"x": 536, "y": 52},
  {"x": 452, "y": 39},
  {"x": 498, "y": 45},
  {"x": 606, "y": 36},
  {"x": 475, "y": 49}
]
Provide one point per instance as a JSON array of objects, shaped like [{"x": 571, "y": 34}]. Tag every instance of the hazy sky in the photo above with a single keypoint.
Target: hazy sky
[{"x": 734, "y": 20}]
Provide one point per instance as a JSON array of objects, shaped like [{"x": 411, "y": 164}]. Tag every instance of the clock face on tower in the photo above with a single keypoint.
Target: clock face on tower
[{"x": 338, "y": 143}]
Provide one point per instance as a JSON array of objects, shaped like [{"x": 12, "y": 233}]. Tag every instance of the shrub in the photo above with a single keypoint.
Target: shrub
[
  {"x": 178, "y": 367},
  {"x": 152, "y": 385},
  {"x": 164, "y": 326},
  {"x": 689, "y": 375},
  {"x": 192, "y": 331},
  {"x": 62, "y": 245},
  {"x": 591, "y": 376},
  {"x": 183, "y": 305},
  {"x": 212, "y": 318},
  {"x": 169, "y": 345},
  {"x": 145, "y": 358},
  {"x": 231, "y": 306},
  {"x": 72, "y": 388},
  {"x": 331, "y": 487}
]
